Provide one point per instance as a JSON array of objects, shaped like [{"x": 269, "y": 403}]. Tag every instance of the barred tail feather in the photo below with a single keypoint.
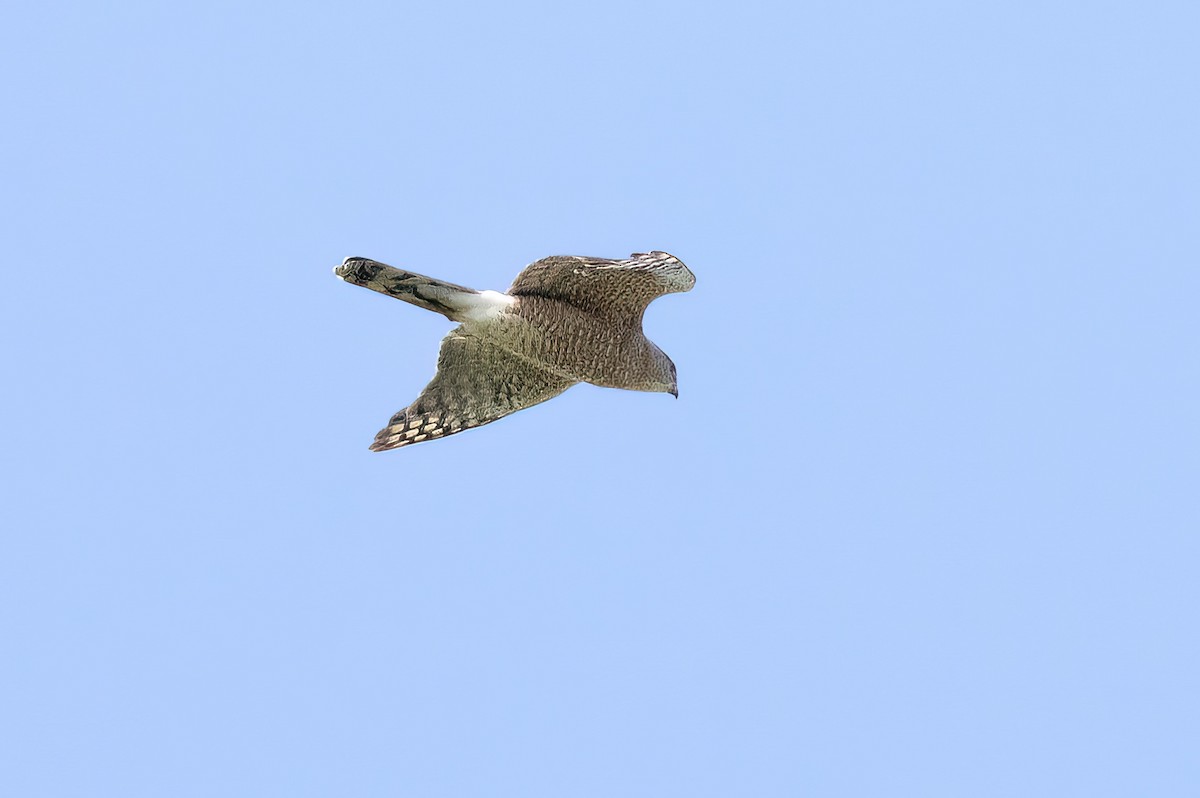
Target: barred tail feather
[{"x": 455, "y": 302}]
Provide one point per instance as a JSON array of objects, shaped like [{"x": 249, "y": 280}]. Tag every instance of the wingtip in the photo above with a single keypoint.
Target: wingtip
[{"x": 382, "y": 443}]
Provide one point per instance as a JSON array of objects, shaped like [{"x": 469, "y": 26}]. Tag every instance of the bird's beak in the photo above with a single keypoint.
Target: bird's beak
[{"x": 675, "y": 392}]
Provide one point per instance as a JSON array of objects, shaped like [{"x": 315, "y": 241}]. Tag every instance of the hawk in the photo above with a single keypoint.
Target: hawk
[{"x": 564, "y": 320}]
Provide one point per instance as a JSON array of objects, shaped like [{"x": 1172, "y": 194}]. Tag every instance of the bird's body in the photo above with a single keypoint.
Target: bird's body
[{"x": 564, "y": 320}]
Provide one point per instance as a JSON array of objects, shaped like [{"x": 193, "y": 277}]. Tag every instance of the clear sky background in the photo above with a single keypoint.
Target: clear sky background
[{"x": 923, "y": 522}]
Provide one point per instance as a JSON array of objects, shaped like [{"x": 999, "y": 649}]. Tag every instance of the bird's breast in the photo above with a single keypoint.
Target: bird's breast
[{"x": 572, "y": 341}]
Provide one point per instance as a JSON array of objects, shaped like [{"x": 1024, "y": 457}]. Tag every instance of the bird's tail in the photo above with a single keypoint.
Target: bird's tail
[{"x": 455, "y": 302}]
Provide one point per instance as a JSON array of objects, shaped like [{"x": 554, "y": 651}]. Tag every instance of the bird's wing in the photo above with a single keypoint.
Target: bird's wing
[
  {"x": 614, "y": 289},
  {"x": 476, "y": 383}
]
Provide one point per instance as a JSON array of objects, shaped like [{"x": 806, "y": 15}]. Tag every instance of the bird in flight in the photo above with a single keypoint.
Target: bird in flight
[{"x": 564, "y": 320}]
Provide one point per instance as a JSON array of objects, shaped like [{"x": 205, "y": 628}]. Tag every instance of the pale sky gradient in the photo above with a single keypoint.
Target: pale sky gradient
[{"x": 923, "y": 522}]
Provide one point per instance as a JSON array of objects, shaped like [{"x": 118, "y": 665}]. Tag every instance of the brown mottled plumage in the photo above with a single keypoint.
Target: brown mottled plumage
[{"x": 564, "y": 320}]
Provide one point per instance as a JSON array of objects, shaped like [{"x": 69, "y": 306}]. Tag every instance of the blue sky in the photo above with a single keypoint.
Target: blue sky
[{"x": 922, "y": 522}]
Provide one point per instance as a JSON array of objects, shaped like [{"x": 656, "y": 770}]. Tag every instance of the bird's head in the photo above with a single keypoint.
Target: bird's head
[{"x": 664, "y": 379}]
